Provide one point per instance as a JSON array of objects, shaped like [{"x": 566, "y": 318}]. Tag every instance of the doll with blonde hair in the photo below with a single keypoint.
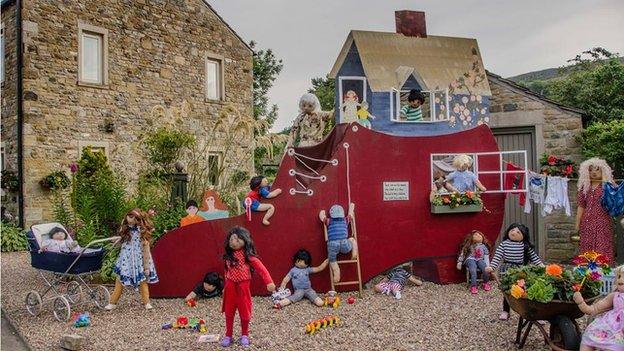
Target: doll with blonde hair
[
  {"x": 606, "y": 332},
  {"x": 593, "y": 222},
  {"x": 463, "y": 179}
]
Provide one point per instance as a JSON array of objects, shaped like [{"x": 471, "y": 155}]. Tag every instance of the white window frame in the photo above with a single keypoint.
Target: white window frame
[
  {"x": 341, "y": 93},
  {"x": 501, "y": 172},
  {"x": 96, "y": 146},
  {"x": 395, "y": 109},
  {"x": 219, "y": 156},
  {"x": 220, "y": 77},
  {"x": 89, "y": 30}
]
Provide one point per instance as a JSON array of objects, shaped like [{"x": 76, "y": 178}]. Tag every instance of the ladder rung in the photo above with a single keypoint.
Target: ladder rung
[
  {"x": 347, "y": 261},
  {"x": 348, "y": 283}
]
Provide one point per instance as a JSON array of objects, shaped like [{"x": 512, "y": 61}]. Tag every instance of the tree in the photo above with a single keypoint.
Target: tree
[
  {"x": 604, "y": 140},
  {"x": 324, "y": 89},
  {"x": 595, "y": 84},
  {"x": 266, "y": 68}
]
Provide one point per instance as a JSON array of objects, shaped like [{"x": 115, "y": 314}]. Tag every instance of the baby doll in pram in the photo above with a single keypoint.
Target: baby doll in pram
[{"x": 64, "y": 272}]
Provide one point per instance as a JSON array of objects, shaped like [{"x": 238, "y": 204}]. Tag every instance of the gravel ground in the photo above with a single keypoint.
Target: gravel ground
[{"x": 430, "y": 317}]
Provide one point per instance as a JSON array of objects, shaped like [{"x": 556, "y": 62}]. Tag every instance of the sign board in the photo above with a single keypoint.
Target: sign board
[{"x": 395, "y": 191}]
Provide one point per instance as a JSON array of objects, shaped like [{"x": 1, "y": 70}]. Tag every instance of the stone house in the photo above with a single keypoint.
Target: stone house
[
  {"x": 521, "y": 119},
  {"x": 103, "y": 73}
]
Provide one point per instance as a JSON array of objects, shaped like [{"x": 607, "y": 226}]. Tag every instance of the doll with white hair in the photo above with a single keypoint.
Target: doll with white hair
[
  {"x": 308, "y": 127},
  {"x": 593, "y": 221},
  {"x": 606, "y": 332},
  {"x": 463, "y": 179}
]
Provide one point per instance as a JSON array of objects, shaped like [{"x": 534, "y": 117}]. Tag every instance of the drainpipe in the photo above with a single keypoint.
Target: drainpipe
[{"x": 20, "y": 113}]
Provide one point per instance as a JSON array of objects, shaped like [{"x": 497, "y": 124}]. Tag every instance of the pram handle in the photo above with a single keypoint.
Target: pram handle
[{"x": 113, "y": 239}]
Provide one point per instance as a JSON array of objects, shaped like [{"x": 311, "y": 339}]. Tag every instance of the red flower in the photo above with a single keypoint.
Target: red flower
[
  {"x": 568, "y": 170},
  {"x": 552, "y": 160},
  {"x": 576, "y": 287},
  {"x": 446, "y": 200}
]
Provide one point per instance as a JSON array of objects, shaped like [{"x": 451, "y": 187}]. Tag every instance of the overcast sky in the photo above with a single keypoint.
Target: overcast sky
[{"x": 514, "y": 36}]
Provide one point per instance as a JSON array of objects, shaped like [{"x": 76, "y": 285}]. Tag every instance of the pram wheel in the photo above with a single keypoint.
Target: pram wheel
[
  {"x": 62, "y": 309},
  {"x": 33, "y": 302},
  {"x": 73, "y": 291},
  {"x": 100, "y": 296}
]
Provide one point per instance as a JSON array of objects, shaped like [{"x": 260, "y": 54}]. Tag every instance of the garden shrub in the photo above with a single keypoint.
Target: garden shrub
[
  {"x": 13, "y": 237},
  {"x": 165, "y": 146}
]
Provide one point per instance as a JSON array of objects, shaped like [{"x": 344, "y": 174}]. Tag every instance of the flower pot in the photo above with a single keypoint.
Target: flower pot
[{"x": 443, "y": 209}]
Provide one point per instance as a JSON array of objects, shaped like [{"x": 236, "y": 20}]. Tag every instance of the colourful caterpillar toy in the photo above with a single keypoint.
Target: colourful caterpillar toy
[
  {"x": 183, "y": 322},
  {"x": 315, "y": 326}
]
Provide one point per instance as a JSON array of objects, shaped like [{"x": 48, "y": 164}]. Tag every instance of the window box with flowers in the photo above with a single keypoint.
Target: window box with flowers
[
  {"x": 55, "y": 180},
  {"x": 551, "y": 165},
  {"x": 456, "y": 203}
]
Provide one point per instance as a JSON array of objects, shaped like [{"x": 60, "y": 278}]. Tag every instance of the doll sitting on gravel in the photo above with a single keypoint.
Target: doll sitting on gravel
[
  {"x": 395, "y": 281},
  {"x": 606, "y": 332},
  {"x": 300, "y": 277},
  {"x": 337, "y": 238},
  {"x": 475, "y": 253}
]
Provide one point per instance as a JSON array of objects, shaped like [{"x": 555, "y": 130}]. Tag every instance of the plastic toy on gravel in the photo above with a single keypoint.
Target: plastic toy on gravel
[{"x": 64, "y": 274}]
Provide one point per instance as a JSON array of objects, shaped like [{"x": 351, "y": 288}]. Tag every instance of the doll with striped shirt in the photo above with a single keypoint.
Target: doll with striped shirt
[
  {"x": 395, "y": 281},
  {"x": 514, "y": 250}
]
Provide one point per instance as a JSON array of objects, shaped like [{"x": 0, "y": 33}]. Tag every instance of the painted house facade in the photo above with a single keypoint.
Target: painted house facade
[
  {"x": 381, "y": 68},
  {"x": 104, "y": 73}
]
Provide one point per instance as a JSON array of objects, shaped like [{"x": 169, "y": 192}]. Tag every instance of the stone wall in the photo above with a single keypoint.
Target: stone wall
[
  {"x": 556, "y": 133},
  {"x": 156, "y": 69},
  {"x": 9, "y": 103}
]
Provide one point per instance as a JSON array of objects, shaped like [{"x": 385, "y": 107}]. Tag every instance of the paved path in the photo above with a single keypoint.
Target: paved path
[{"x": 10, "y": 339}]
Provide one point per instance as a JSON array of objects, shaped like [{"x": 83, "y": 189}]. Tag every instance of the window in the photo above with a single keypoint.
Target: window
[
  {"x": 434, "y": 109},
  {"x": 2, "y": 54},
  {"x": 96, "y": 146},
  {"x": 214, "y": 79},
  {"x": 214, "y": 167},
  {"x": 92, "y": 55},
  {"x": 352, "y": 92}
]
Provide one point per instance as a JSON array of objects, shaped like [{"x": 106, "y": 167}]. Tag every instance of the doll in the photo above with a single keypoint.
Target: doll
[
  {"x": 593, "y": 221},
  {"x": 606, "y": 332},
  {"x": 134, "y": 266},
  {"x": 192, "y": 217},
  {"x": 463, "y": 179},
  {"x": 395, "y": 282},
  {"x": 308, "y": 127},
  {"x": 212, "y": 207},
  {"x": 260, "y": 188},
  {"x": 59, "y": 242},
  {"x": 350, "y": 106},
  {"x": 363, "y": 115},
  {"x": 240, "y": 258},
  {"x": 300, "y": 276},
  {"x": 210, "y": 287},
  {"x": 337, "y": 236},
  {"x": 412, "y": 112},
  {"x": 514, "y": 250},
  {"x": 475, "y": 253}
]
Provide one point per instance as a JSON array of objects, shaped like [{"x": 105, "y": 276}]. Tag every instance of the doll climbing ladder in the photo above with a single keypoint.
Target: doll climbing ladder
[{"x": 308, "y": 172}]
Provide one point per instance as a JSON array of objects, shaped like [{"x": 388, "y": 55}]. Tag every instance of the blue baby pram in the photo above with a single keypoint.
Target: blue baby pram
[{"x": 64, "y": 274}]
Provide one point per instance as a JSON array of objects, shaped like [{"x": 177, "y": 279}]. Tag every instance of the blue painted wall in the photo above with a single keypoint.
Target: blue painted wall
[{"x": 467, "y": 111}]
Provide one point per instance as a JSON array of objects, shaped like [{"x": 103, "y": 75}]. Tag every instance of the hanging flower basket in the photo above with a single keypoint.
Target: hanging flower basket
[
  {"x": 55, "y": 180},
  {"x": 456, "y": 203},
  {"x": 551, "y": 165}
]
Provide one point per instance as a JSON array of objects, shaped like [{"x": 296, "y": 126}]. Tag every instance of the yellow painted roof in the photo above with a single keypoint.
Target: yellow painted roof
[{"x": 437, "y": 61}]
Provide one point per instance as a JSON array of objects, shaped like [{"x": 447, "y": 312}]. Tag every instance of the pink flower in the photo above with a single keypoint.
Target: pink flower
[
  {"x": 552, "y": 160},
  {"x": 595, "y": 276},
  {"x": 151, "y": 212},
  {"x": 521, "y": 283},
  {"x": 73, "y": 168}
]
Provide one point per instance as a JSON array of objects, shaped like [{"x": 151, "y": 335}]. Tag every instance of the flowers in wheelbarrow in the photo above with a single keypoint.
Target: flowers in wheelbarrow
[
  {"x": 554, "y": 270},
  {"x": 590, "y": 265},
  {"x": 518, "y": 291}
]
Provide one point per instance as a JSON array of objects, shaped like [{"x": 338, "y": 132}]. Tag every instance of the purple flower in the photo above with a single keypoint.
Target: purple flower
[
  {"x": 73, "y": 167},
  {"x": 595, "y": 275}
]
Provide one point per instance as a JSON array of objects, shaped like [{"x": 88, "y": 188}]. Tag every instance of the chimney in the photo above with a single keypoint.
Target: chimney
[{"x": 411, "y": 23}]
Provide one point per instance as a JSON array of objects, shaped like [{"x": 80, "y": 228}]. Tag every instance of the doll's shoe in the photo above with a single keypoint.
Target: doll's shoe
[
  {"x": 504, "y": 316},
  {"x": 244, "y": 340},
  {"x": 397, "y": 295},
  {"x": 277, "y": 306},
  {"x": 148, "y": 306},
  {"x": 110, "y": 307},
  {"x": 473, "y": 290},
  {"x": 487, "y": 287},
  {"x": 226, "y": 341},
  {"x": 386, "y": 291}
]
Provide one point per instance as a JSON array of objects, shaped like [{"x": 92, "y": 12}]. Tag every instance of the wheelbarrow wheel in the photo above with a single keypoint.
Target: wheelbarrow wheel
[{"x": 564, "y": 334}]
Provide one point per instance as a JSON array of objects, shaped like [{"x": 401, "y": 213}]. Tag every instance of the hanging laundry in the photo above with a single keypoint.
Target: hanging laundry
[
  {"x": 515, "y": 181},
  {"x": 556, "y": 196},
  {"x": 613, "y": 199},
  {"x": 537, "y": 190}
]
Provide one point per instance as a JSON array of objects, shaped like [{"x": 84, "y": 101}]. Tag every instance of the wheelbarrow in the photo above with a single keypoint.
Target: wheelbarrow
[{"x": 564, "y": 333}]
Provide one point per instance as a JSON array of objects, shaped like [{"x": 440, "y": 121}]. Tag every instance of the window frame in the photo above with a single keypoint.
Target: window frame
[
  {"x": 396, "y": 107},
  {"x": 86, "y": 29},
  {"x": 219, "y": 60},
  {"x": 96, "y": 145}
]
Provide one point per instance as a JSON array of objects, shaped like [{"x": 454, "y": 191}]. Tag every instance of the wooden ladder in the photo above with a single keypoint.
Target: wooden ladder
[{"x": 349, "y": 261}]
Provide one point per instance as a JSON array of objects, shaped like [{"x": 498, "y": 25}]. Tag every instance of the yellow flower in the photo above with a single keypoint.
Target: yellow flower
[
  {"x": 554, "y": 270},
  {"x": 516, "y": 291}
]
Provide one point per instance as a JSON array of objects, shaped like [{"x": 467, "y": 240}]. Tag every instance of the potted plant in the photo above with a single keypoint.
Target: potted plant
[
  {"x": 9, "y": 180},
  {"x": 456, "y": 202},
  {"x": 55, "y": 180}
]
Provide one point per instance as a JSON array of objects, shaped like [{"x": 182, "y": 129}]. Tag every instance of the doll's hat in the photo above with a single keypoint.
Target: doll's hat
[{"x": 336, "y": 211}]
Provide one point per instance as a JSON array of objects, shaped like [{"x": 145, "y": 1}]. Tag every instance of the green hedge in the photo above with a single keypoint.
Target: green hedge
[{"x": 604, "y": 140}]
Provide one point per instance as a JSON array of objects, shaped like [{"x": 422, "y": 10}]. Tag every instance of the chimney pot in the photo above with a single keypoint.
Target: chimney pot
[{"x": 411, "y": 23}]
